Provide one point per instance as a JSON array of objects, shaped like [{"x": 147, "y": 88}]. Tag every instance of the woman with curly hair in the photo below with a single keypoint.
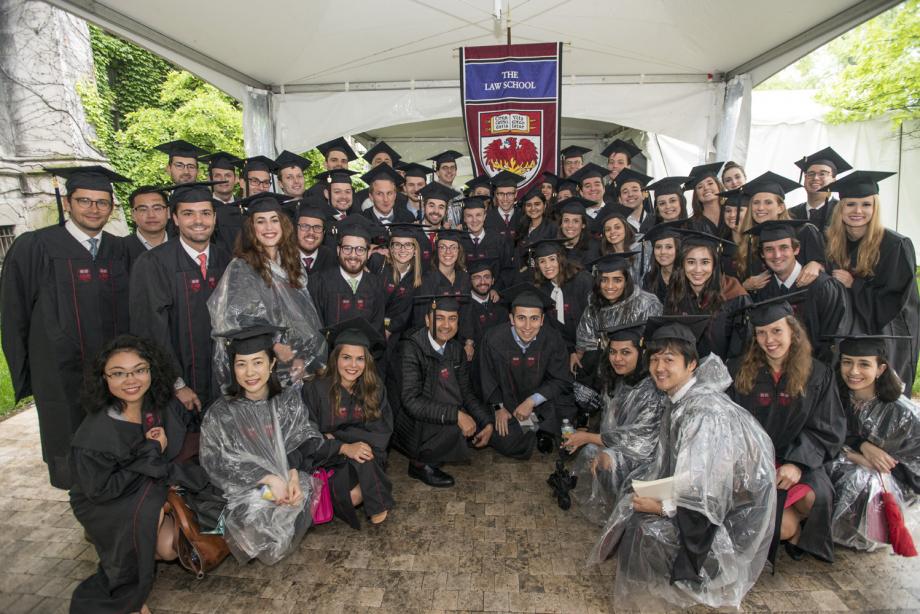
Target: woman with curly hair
[
  {"x": 266, "y": 285},
  {"x": 882, "y": 447},
  {"x": 123, "y": 459},
  {"x": 349, "y": 405},
  {"x": 877, "y": 266},
  {"x": 793, "y": 397}
]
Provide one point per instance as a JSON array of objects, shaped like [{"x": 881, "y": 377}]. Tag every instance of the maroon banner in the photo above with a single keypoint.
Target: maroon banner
[{"x": 511, "y": 98}]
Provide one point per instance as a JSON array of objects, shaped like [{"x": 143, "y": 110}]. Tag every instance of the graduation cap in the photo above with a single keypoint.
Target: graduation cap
[
  {"x": 826, "y": 156},
  {"x": 444, "y": 302},
  {"x": 507, "y": 179},
  {"x": 684, "y": 328},
  {"x": 191, "y": 192},
  {"x": 88, "y": 178},
  {"x": 734, "y": 198},
  {"x": 865, "y": 345},
  {"x": 339, "y": 175},
  {"x": 339, "y": 144},
  {"x": 438, "y": 191},
  {"x": 550, "y": 178},
  {"x": 355, "y": 331},
  {"x": 664, "y": 230},
  {"x": 289, "y": 159},
  {"x": 181, "y": 148},
  {"x": 382, "y": 171},
  {"x": 858, "y": 184},
  {"x": 414, "y": 169},
  {"x": 381, "y": 147},
  {"x": 764, "y": 313},
  {"x": 690, "y": 236},
  {"x": 534, "y": 191},
  {"x": 575, "y": 205},
  {"x": 264, "y": 202},
  {"x": 609, "y": 263},
  {"x": 667, "y": 185},
  {"x": 480, "y": 265},
  {"x": 448, "y": 234},
  {"x": 627, "y": 332},
  {"x": 258, "y": 163},
  {"x": 404, "y": 230},
  {"x": 620, "y": 146},
  {"x": 702, "y": 171},
  {"x": 776, "y": 230},
  {"x": 527, "y": 295},
  {"x": 480, "y": 181},
  {"x": 445, "y": 156},
  {"x": 313, "y": 208},
  {"x": 573, "y": 151},
  {"x": 474, "y": 202},
  {"x": 629, "y": 175},
  {"x": 588, "y": 171},
  {"x": 359, "y": 226},
  {"x": 251, "y": 340},
  {"x": 567, "y": 184},
  {"x": 771, "y": 183},
  {"x": 220, "y": 159},
  {"x": 547, "y": 247}
]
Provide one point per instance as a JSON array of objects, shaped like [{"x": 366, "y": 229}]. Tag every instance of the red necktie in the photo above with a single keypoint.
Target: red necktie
[
  {"x": 476, "y": 241},
  {"x": 308, "y": 262},
  {"x": 203, "y": 264},
  {"x": 432, "y": 238}
]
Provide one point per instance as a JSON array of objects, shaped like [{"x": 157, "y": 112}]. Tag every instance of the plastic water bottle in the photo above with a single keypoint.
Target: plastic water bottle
[{"x": 567, "y": 429}]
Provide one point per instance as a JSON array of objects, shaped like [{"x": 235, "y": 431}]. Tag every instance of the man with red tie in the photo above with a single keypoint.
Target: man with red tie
[
  {"x": 311, "y": 227},
  {"x": 504, "y": 218}
]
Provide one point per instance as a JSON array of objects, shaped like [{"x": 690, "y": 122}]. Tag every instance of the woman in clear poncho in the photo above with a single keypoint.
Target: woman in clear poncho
[
  {"x": 628, "y": 437},
  {"x": 882, "y": 444},
  {"x": 266, "y": 285},
  {"x": 616, "y": 299},
  {"x": 246, "y": 438},
  {"x": 708, "y": 544}
]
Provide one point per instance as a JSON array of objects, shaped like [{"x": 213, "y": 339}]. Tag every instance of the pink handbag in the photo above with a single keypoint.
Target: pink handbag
[
  {"x": 322, "y": 511},
  {"x": 876, "y": 524}
]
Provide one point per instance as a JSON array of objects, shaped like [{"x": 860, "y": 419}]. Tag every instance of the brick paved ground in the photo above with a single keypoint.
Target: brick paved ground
[{"x": 485, "y": 545}]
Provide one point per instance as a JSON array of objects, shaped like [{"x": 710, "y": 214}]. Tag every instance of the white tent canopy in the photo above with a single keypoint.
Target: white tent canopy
[{"x": 310, "y": 71}]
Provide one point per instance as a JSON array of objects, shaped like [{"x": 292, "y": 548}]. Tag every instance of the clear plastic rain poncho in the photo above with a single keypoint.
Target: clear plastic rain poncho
[
  {"x": 637, "y": 307},
  {"x": 629, "y": 431},
  {"x": 895, "y": 428},
  {"x": 242, "y": 300},
  {"x": 723, "y": 464},
  {"x": 242, "y": 441}
]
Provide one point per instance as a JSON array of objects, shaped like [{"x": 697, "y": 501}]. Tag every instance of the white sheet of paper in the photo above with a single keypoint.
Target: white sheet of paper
[{"x": 659, "y": 490}]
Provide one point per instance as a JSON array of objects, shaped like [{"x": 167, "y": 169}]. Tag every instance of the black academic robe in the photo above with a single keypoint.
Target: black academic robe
[
  {"x": 807, "y": 431},
  {"x": 526, "y": 238},
  {"x": 400, "y": 214},
  {"x": 335, "y": 302},
  {"x": 323, "y": 259},
  {"x": 399, "y": 300},
  {"x": 229, "y": 224},
  {"x": 820, "y": 218},
  {"x": 656, "y": 285},
  {"x": 887, "y": 303},
  {"x": 823, "y": 312},
  {"x": 495, "y": 222},
  {"x": 134, "y": 247},
  {"x": 433, "y": 389},
  {"x": 169, "y": 303},
  {"x": 583, "y": 254},
  {"x": 575, "y": 293},
  {"x": 120, "y": 480},
  {"x": 434, "y": 282},
  {"x": 727, "y": 333},
  {"x": 495, "y": 250},
  {"x": 510, "y": 375},
  {"x": 704, "y": 224},
  {"x": 58, "y": 307},
  {"x": 811, "y": 249},
  {"x": 347, "y": 423},
  {"x": 480, "y": 318},
  {"x": 427, "y": 247}
]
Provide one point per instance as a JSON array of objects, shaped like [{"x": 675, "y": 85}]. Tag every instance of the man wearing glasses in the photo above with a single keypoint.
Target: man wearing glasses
[
  {"x": 182, "y": 165},
  {"x": 256, "y": 177},
  {"x": 150, "y": 214},
  {"x": 63, "y": 295},
  {"x": 311, "y": 228},
  {"x": 819, "y": 169},
  {"x": 349, "y": 290}
]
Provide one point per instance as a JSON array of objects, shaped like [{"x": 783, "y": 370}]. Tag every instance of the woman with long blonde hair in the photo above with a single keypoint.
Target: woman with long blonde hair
[
  {"x": 794, "y": 398},
  {"x": 878, "y": 267}
]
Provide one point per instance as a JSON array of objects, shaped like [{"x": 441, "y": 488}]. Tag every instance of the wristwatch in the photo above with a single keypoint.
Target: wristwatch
[{"x": 179, "y": 384}]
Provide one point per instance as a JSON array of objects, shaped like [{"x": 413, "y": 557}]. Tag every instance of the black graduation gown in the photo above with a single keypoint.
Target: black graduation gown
[
  {"x": 400, "y": 214},
  {"x": 496, "y": 251},
  {"x": 584, "y": 254},
  {"x": 811, "y": 249},
  {"x": 656, "y": 285},
  {"x": 169, "y": 303},
  {"x": 434, "y": 282},
  {"x": 335, "y": 302},
  {"x": 703, "y": 224},
  {"x": 348, "y": 425},
  {"x": 727, "y": 335},
  {"x": 495, "y": 222},
  {"x": 574, "y": 300},
  {"x": 509, "y": 376},
  {"x": 821, "y": 218},
  {"x": 229, "y": 224},
  {"x": 480, "y": 318},
  {"x": 823, "y": 312},
  {"x": 324, "y": 258},
  {"x": 120, "y": 482},
  {"x": 546, "y": 230},
  {"x": 806, "y": 431},
  {"x": 58, "y": 307},
  {"x": 134, "y": 247},
  {"x": 887, "y": 303}
]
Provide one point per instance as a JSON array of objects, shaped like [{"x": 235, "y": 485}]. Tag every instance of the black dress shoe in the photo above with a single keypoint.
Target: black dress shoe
[
  {"x": 546, "y": 443},
  {"x": 431, "y": 476},
  {"x": 795, "y": 553}
]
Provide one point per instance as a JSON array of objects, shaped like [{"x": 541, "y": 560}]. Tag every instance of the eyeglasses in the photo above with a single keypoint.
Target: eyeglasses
[
  {"x": 264, "y": 183},
  {"x": 317, "y": 228},
  {"x": 450, "y": 249},
  {"x": 191, "y": 166},
  {"x": 120, "y": 376},
  {"x": 348, "y": 250},
  {"x": 144, "y": 209},
  {"x": 86, "y": 203},
  {"x": 821, "y": 174},
  {"x": 402, "y": 247}
]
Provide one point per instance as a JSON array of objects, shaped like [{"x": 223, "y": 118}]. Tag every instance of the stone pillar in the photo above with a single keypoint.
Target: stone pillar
[{"x": 44, "y": 53}]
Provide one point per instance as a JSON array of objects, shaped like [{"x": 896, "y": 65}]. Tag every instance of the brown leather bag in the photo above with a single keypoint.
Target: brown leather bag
[{"x": 199, "y": 553}]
